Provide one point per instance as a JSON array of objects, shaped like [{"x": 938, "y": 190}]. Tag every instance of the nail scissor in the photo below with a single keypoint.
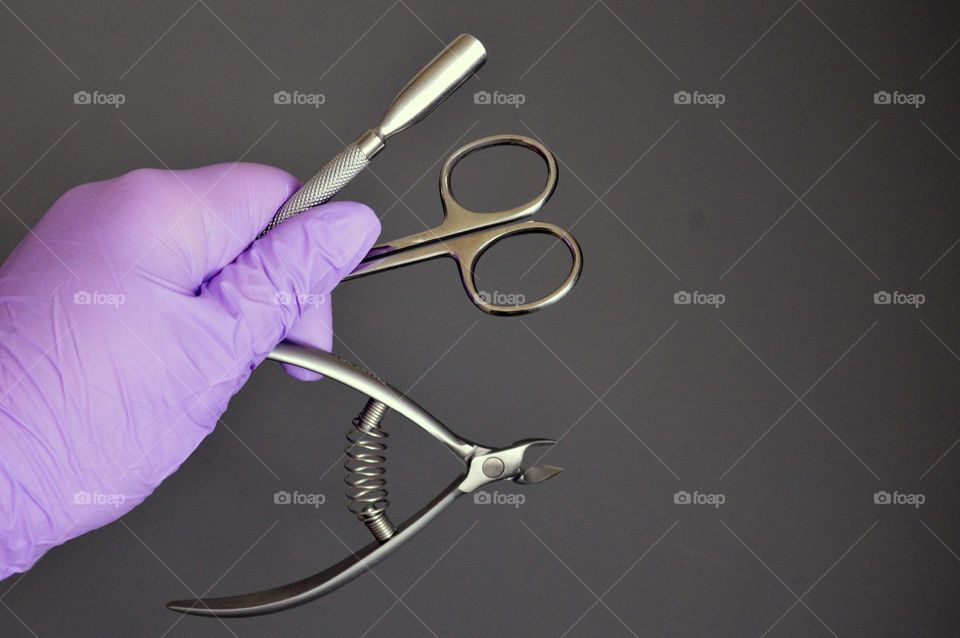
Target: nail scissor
[{"x": 465, "y": 235}]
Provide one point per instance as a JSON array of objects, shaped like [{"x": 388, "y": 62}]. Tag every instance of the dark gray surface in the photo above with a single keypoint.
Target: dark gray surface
[{"x": 826, "y": 396}]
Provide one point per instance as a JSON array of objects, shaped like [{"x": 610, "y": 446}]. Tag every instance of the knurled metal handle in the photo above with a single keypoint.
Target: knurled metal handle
[{"x": 322, "y": 186}]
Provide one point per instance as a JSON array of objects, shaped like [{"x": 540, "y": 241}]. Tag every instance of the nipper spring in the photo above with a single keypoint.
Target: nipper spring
[{"x": 366, "y": 474}]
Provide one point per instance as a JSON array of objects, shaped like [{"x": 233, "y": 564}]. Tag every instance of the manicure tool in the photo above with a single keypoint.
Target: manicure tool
[
  {"x": 367, "y": 485},
  {"x": 464, "y": 236}
]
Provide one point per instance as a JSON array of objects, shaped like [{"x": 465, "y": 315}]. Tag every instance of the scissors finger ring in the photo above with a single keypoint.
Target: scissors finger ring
[{"x": 465, "y": 235}]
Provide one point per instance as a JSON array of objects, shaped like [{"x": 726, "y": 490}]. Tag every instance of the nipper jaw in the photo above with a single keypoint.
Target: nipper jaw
[{"x": 491, "y": 465}]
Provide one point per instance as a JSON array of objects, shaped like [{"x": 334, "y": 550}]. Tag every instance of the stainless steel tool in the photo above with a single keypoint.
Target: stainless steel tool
[
  {"x": 366, "y": 485},
  {"x": 464, "y": 235},
  {"x": 432, "y": 85}
]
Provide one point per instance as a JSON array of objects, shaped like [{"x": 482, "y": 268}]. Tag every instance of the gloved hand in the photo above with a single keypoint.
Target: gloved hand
[{"x": 128, "y": 318}]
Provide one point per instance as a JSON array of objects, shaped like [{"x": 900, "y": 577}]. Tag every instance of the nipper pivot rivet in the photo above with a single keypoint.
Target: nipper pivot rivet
[{"x": 492, "y": 467}]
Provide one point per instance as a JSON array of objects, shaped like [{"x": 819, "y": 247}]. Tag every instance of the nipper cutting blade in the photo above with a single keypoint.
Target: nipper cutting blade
[{"x": 537, "y": 474}]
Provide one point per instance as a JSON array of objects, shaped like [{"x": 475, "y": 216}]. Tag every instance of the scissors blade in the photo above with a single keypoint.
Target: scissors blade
[
  {"x": 537, "y": 474},
  {"x": 388, "y": 256}
]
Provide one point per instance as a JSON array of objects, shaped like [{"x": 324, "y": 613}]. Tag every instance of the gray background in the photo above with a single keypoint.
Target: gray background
[{"x": 797, "y": 399}]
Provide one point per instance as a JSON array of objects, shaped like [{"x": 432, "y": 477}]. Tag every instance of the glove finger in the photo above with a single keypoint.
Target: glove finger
[{"x": 314, "y": 329}]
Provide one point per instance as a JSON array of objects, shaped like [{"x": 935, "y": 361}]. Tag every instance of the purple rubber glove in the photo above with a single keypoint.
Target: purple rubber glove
[{"x": 130, "y": 316}]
